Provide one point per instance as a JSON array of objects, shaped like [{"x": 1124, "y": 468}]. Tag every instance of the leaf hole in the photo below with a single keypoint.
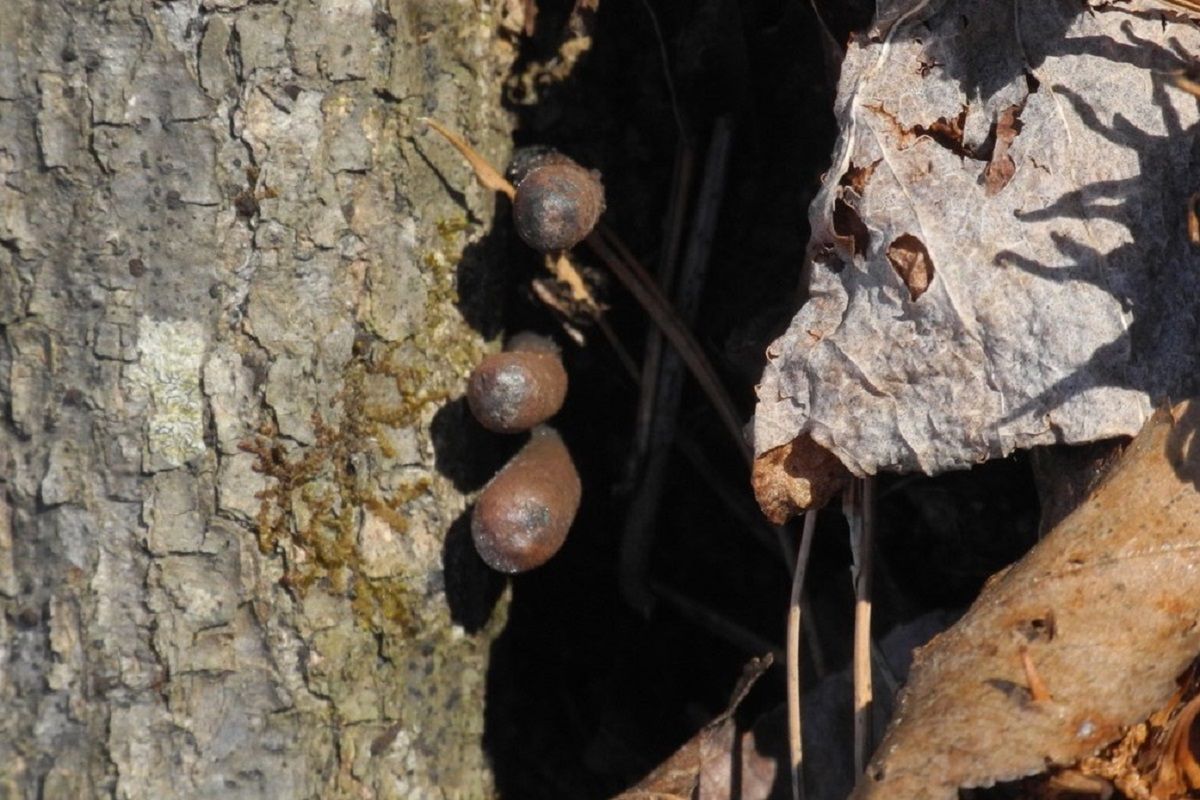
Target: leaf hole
[
  {"x": 948, "y": 132},
  {"x": 1040, "y": 628},
  {"x": 848, "y": 225},
  {"x": 911, "y": 260}
]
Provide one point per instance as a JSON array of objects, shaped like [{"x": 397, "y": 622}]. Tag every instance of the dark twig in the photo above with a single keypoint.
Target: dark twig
[
  {"x": 669, "y": 256},
  {"x": 633, "y": 276},
  {"x": 638, "y": 534},
  {"x": 715, "y": 622}
]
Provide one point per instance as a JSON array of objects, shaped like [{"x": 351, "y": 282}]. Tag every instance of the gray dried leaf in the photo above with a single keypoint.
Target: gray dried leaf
[{"x": 1000, "y": 254}]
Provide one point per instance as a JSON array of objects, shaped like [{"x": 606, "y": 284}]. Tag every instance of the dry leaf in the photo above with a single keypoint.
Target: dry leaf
[
  {"x": 702, "y": 768},
  {"x": 1061, "y": 296},
  {"x": 678, "y": 777},
  {"x": 1001, "y": 168},
  {"x": 910, "y": 258},
  {"x": 1154, "y": 759},
  {"x": 1178, "y": 771},
  {"x": 1106, "y": 609},
  {"x": 794, "y": 477}
]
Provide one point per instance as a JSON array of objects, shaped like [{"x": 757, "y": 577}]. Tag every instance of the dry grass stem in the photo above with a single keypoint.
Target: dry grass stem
[
  {"x": 487, "y": 175},
  {"x": 1038, "y": 691},
  {"x": 862, "y": 531},
  {"x": 795, "y": 743},
  {"x": 1190, "y": 5}
]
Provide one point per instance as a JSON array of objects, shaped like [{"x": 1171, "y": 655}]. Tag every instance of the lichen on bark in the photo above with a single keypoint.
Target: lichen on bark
[{"x": 220, "y": 228}]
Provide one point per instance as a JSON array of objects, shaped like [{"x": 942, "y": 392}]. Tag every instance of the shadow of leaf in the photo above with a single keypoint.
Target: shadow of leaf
[
  {"x": 1153, "y": 275},
  {"x": 1183, "y": 445}
]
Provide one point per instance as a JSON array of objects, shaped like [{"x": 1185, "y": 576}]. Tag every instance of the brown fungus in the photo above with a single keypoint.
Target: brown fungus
[
  {"x": 522, "y": 387},
  {"x": 522, "y": 516},
  {"x": 557, "y": 202}
]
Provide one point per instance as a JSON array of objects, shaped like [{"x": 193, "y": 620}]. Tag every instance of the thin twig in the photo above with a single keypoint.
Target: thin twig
[
  {"x": 681, "y": 189},
  {"x": 832, "y": 53},
  {"x": 795, "y": 743},
  {"x": 637, "y": 535},
  {"x": 681, "y": 184},
  {"x": 633, "y": 276},
  {"x": 666, "y": 68},
  {"x": 862, "y": 531},
  {"x": 623, "y": 356},
  {"x": 715, "y": 622},
  {"x": 742, "y": 509},
  {"x": 827, "y": 36}
]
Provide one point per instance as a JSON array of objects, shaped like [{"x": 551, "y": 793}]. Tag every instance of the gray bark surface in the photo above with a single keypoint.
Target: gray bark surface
[{"x": 228, "y": 303}]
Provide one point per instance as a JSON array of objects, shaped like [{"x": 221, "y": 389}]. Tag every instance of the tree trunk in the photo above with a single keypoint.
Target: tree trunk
[{"x": 231, "y": 331}]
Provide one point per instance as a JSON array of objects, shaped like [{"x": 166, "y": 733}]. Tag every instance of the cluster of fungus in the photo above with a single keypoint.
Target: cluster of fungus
[{"x": 523, "y": 514}]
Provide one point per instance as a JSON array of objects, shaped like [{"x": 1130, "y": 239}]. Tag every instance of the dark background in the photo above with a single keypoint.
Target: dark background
[{"x": 587, "y": 693}]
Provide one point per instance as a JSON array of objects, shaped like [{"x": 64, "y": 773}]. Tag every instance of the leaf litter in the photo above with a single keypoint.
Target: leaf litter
[
  {"x": 704, "y": 767},
  {"x": 1000, "y": 256},
  {"x": 1000, "y": 261},
  {"x": 1062, "y": 653}
]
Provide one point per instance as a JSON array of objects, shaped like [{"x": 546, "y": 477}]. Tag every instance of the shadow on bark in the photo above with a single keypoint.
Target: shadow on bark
[
  {"x": 472, "y": 589},
  {"x": 463, "y": 452},
  {"x": 484, "y": 276}
]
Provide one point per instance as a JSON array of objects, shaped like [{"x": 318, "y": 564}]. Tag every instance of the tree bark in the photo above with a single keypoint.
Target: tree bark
[{"x": 231, "y": 338}]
